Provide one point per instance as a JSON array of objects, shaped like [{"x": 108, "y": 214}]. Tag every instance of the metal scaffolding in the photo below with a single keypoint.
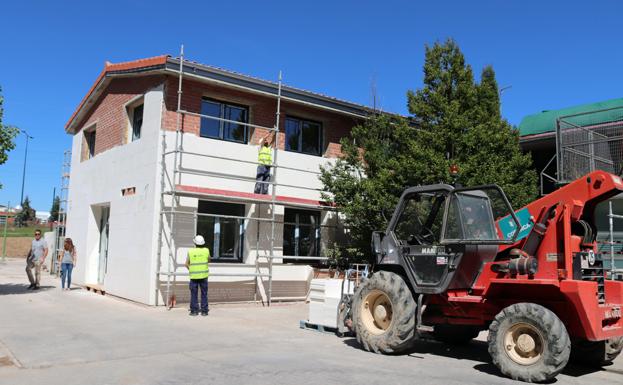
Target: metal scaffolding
[
  {"x": 169, "y": 188},
  {"x": 59, "y": 231}
]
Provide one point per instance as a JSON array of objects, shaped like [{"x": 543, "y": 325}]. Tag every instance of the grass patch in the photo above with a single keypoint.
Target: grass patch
[{"x": 21, "y": 231}]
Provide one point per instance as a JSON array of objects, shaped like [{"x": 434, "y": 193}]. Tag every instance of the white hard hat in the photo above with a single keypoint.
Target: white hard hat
[{"x": 198, "y": 240}]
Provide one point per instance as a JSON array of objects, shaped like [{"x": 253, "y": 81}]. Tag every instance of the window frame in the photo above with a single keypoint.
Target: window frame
[
  {"x": 90, "y": 140},
  {"x": 132, "y": 117},
  {"x": 297, "y": 224},
  {"x": 241, "y": 226},
  {"x": 222, "y": 110},
  {"x": 300, "y": 139}
]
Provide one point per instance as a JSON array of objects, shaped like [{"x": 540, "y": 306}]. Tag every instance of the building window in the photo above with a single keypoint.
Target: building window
[
  {"x": 89, "y": 137},
  {"x": 303, "y": 136},
  {"x": 224, "y": 236},
  {"x": 136, "y": 118},
  {"x": 219, "y": 129},
  {"x": 301, "y": 233}
]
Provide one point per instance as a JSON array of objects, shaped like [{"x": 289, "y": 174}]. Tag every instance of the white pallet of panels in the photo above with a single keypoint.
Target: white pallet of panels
[{"x": 324, "y": 298}]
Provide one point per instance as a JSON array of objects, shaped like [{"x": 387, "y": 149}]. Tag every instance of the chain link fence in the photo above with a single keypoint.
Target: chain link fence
[{"x": 589, "y": 141}]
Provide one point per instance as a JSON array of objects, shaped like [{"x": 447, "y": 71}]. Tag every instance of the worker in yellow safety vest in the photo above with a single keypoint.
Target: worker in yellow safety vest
[
  {"x": 265, "y": 161},
  {"x": 198, "y": 270}
]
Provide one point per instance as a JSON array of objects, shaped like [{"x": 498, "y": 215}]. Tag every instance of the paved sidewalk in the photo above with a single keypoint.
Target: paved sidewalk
[{"x": 56, "y": 337}]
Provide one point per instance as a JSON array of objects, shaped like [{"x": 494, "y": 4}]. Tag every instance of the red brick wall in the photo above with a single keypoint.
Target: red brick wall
[
  {"x": 261, "y": 110},
  {"x": 109, "y": 113}
]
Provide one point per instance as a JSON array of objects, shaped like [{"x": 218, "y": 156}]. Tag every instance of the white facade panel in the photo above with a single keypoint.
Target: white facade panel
[{"x": 97, "y": 183}]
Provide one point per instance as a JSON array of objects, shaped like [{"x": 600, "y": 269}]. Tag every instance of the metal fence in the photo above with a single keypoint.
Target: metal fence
[{"x": 589, "y": 141}]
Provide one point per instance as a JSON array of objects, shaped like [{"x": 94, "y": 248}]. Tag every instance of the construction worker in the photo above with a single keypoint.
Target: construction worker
[
  {"x": 197, "y": 265},
  {"x": 265, "y": 161}
]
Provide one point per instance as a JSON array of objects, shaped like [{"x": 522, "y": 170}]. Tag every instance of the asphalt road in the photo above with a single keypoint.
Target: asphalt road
[{"x": 56, "y": 337}]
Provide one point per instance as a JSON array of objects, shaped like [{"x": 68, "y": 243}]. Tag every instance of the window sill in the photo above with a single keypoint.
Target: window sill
[
  {"x": 305, "y": 153},
  {"x": 223, "y": 140},
  {"x": 227, "y": 263}
]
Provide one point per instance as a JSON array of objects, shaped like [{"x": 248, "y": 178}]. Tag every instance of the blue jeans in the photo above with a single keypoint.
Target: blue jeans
[
  {"x": 194, "y": 285},
  {"x": 66, "y": 269}
]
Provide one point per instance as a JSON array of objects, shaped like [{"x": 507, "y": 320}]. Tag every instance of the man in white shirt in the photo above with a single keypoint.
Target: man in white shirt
[{"x": 36, "y": 258}]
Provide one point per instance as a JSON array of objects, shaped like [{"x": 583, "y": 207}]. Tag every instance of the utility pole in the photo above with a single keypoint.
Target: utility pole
[{"x": 21, "y": 200}]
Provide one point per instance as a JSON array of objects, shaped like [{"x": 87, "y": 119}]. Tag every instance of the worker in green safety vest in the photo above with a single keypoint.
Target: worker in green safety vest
[
  {"x": 265, "y": 161},
  {"x": 198, "y": 270}
]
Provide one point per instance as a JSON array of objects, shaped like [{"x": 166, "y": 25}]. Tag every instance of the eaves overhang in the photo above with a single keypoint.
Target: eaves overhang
[{"x": 165, "y": 64}]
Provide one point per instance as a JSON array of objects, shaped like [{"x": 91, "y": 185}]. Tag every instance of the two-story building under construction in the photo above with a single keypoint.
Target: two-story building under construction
[{"x": 164, "y": 149}]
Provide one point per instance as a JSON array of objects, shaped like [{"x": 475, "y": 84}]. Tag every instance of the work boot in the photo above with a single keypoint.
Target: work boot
[
  {"x": 194, "y": 313},
  {"x": 32, "y": 286},
  {"x": 204, "y": 313}
]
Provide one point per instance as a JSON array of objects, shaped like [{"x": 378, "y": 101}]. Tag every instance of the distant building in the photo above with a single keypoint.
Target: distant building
[
  {"x": 7, "y": 214},
  {"x": 42, "y": 216},
  {"x": 591, "y": 137}
]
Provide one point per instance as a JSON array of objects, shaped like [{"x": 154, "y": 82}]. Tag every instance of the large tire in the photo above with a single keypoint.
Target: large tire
[
  {"x": 384, "y": 314},
  {"x": 596, "y": 353},
  {"x": 455, "y": 334},
  {"x": 528, "y": 342}
]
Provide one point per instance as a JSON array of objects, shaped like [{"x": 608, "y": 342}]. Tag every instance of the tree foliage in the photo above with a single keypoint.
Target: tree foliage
[
  {"x": 454, "y": 121},
  {"x": 7, "y": 135},
  {"x": 27, "y": 214},
  {"x": 56, "y": 204}
]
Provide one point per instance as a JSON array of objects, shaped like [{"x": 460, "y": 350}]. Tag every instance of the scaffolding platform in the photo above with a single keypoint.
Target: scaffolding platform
[{"x": 196, "y": 191}]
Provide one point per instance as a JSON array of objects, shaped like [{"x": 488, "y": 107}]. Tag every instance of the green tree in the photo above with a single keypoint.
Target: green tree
[
  {"x": 56, "y": 204},
  {"x": 455, "y": 121},
  {"x": 7, "y": 135},
  {"x": 27, "y": 213}
]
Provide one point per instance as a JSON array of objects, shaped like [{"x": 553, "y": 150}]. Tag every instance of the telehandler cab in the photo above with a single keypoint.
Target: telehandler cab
[{"x": 455, "y": 261}]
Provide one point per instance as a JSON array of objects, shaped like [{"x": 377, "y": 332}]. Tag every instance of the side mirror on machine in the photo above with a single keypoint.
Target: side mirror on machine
[{"x": 377, "y": 238}]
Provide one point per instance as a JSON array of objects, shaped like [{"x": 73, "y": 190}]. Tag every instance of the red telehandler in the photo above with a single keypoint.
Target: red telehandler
[{"x": 455, "y": 261}]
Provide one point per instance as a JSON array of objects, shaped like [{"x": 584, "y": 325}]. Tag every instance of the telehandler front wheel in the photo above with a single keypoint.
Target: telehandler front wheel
[
  {"x": 384, "y": 314},
  {"x": 528, "y": 342}
]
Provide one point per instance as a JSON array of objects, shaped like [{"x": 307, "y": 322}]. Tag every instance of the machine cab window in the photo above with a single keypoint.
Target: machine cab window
[{"x": 421, "y": 218}]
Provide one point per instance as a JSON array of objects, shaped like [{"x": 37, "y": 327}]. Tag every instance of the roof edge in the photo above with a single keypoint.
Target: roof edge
[{"x": 115, "y": 68}]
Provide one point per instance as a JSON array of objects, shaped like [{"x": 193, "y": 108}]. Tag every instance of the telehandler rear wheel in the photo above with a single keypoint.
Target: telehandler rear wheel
[
  {"x": 528, "y": 342},
  {"x": 596, "y": 353},
  {"x": 384, "y": 314}
]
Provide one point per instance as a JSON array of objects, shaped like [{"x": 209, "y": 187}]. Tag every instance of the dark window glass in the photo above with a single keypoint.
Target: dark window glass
[
  {"x": 210, "y": 127},
  {"x": 232, "y": 131},
  {"x": 310, "y": 138},
  {"x": 224, "y": 236},
  {"x": 90, "y": 139},
  {"x": 224, "y": 130},
  {"x": 301, "y": 233},
  {"x": 137, "y": 122},
  {"x": 293, "y": 134},
  {"x": 303, "y": 136}
]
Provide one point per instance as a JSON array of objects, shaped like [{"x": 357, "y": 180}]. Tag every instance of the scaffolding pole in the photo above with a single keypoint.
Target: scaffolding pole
[
  {"x": 611, "y": 217},
  {"x": 274, "y": 196},
  {"x": 59, "y": 236}
]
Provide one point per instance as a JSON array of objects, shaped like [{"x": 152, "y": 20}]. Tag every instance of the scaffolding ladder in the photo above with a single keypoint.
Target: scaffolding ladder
[{"x": 59, "y": 230}]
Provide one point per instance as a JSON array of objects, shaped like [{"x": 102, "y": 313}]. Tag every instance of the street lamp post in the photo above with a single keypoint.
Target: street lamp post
[{"x": 21, "y": 201}]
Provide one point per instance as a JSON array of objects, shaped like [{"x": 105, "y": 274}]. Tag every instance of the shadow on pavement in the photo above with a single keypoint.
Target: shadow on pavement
[
  {"x": 20, "y": 288},
  {"x": 473, "y": 351}
]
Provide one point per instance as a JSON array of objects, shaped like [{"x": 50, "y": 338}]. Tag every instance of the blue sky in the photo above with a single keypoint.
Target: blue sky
[{"x": 554, "y": 54}]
